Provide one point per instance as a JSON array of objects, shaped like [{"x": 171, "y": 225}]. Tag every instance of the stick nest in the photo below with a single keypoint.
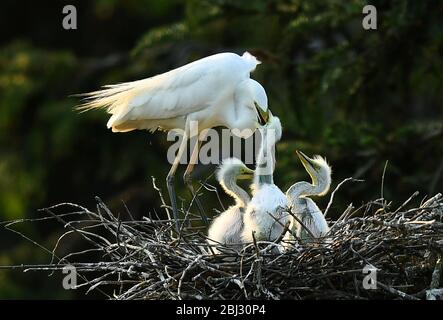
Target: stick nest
[{"x": 146, "y": 259}]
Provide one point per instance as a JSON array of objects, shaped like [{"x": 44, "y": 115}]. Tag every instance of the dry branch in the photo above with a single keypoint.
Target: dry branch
[{"x": 145, "y": 260}]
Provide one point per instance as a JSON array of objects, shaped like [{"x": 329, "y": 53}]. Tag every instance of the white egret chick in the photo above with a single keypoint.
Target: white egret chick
[
  {"x": 303, "y": 207},
  {"x": 227, "y": 228},
  {"x": 267, "y": 213},
  {"x": 210, "y": 92}
]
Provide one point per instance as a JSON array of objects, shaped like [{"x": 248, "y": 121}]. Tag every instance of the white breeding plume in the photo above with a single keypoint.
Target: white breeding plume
[
  {"x": 210, "y": 92},
  {"x": 227, "y": 228}
]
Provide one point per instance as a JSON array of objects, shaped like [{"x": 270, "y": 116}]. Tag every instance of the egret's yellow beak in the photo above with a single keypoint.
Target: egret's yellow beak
[
  {"x": 246, "y": 173},
  {"x": 307, "y": 162},
  {"x": 263, "y": 115}
]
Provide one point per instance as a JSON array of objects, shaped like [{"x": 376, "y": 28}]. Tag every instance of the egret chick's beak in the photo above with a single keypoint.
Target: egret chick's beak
[
  {"x": 309, "y": 164},
  {"x": 263, "y": 114},
  {"x": 246, "y": 173}
]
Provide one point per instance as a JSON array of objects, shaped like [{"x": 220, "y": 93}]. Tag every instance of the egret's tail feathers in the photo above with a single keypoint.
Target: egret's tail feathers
[{"x": 110, "y": 97}]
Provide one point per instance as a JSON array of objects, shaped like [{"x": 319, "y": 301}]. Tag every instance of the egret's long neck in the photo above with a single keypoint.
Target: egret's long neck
[
  {"x": 265, "y": 160},
  {"x": 300, "y": 189},
  {"x": 319, "y": 186},
  {"x": 229, "y": 184}
]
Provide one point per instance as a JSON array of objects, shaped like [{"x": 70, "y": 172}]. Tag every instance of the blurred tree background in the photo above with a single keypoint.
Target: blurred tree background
[{"x": 357, "y": 97}]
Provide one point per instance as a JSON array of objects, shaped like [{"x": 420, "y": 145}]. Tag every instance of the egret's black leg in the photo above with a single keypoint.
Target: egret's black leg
[
  {"x": 187, "y": 178},
  {"x": 170, "y": 182},
  {"x": 173, "y": 198},
  {"x": 188, "y": 181}
]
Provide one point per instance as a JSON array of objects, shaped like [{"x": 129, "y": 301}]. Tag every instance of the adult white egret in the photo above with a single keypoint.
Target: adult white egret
[
  {"x": 303, "y": 207},
  {"x": 228, "y": 226},
  {"x": 210, "y": 92},
  {"x": 266, "y": 213}
]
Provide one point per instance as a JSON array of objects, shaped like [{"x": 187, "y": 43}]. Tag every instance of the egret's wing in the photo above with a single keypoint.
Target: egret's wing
[
  {"x": 172, "y": 94},
  {"x": 315, "y": 219}
]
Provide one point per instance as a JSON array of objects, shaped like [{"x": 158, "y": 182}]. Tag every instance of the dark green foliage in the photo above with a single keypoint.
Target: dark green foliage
[{"x": 357, "y": 97}]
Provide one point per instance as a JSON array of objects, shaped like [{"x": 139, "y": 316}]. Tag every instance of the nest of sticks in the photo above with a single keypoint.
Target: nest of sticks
[{"x": 400, "y": 249}]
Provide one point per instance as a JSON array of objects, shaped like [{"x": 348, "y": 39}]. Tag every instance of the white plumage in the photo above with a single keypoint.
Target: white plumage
[
  {"x": 216, "y": 91},
  {"x": 268, "y": 200},
  {"x": 312, "y": 217},
  {"x": 210, "y": 92},
  {"x": 268, "y": 203},
  {"x": 227, "y": 228},
  {"x": 303, "y": 207}
]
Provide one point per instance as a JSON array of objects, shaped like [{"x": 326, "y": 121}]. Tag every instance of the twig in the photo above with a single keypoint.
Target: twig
[
  {"x": 331, "y": 199},
  {"x": 383, "y": 183},
  {"x": 396, "y": 292}
]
